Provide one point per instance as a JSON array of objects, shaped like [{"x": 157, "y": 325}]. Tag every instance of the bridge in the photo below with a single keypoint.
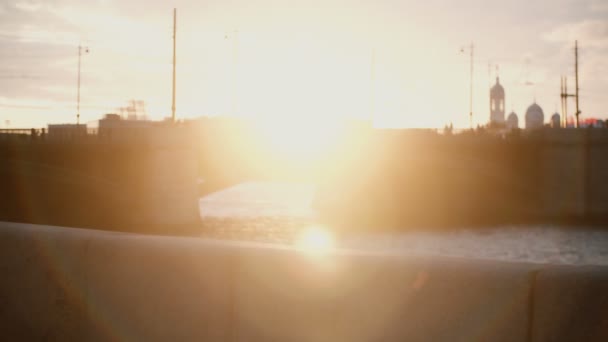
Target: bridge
[{"x": 153, "y": 178}]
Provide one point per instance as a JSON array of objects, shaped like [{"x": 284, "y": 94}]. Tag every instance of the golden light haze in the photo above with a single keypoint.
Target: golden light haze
[{"x": 273, "y": 59}]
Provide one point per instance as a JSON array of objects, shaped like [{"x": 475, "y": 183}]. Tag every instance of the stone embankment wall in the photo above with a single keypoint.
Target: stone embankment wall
[
  {"x": 574, "y": 166},
  {"x": 86, "y": 285},
  {"x": 378, "y": 178},
  {"x": 408, "y": 178},
  {"x": 96, "y": 183}
]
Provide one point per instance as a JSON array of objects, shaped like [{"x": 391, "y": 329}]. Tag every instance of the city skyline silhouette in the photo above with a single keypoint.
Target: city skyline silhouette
[{"x": 313, "y": 60}]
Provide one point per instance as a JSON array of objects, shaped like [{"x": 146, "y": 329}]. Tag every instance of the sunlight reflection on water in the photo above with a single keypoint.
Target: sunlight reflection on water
[{"x": 279, "y": 212}]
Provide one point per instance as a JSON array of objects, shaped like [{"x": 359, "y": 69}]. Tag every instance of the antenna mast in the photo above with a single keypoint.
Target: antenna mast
[
  {"x": 561, "y": 97},
  {"x": 174, "y": 62},
  {"x": 564, "y": 93},
  {"x": 578, "y": 111},
  {"x": 78, "y": 94},
  {"x": 86, "y": 50}
]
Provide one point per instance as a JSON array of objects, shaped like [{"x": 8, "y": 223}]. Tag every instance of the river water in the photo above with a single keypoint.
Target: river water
[{"x": 274, "y": 212}]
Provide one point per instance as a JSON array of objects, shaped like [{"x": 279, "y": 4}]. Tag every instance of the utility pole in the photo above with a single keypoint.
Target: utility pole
[
  {"x": 471, "y": 54},
  {"x": 174, "y": 62},
  {"x": 86, "y": 50},
  {"x": 578, "y": 111},
  {"x": 564, "y": 96},
  {"x": 564, "y": 91},
  {"x": 561, "y": 96}
]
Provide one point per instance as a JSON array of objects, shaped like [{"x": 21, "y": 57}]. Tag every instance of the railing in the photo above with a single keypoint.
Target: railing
[
  {"x": 42, "y": 134},
  {"x": 19, "y": 131}
]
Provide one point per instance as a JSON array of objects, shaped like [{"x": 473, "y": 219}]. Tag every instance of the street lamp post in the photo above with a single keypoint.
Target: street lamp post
[
  {"x": 471, "y": 50},
  {"x": 86, "y": 50}
]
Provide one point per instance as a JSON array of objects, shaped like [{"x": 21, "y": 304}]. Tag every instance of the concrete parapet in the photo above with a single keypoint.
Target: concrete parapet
[
  {"x": 426, "y": 299},
  {"x": 286, "y": 295},
  {"x": 143, "y": 288},
  {"x": 281, "y": 295},
  {"x": 64, "y": 284},
  {"x": 571, "y": 304},
  {"x": 43, "y": 291},
  {"x": 73, "y": 284}
]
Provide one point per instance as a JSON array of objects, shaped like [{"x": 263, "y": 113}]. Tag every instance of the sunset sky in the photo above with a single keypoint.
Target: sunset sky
[{"x": 299, "y": 58}]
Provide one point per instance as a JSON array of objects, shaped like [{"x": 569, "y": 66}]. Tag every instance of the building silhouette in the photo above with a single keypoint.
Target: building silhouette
[
  {"x": 535, "y": 116},
  {"x": 67, "y": 131},
  {"x": 497, "y": 103},
  {"x": 556, "y": 121},
  {"x": 512, "y": 121}
]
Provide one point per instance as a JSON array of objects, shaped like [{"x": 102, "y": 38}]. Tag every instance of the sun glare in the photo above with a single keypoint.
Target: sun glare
[
  {"x": 315, "y": 240},
  {"x": 300, "y": 140}
]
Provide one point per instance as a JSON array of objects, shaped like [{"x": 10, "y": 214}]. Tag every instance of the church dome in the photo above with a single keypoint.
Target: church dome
[
  {"x": 556, "y": 120},
  {"x": 497, "y": 90},
  {"x": 534, "y": 116},
  {"x": 512, "y": 121}
]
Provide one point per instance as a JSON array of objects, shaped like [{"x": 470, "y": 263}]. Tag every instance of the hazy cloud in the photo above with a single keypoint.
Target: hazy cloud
[
  {"x": 592, "y": 33},
  {"x": 599, "y": 6},
  {"x": 29, "y": 6}
]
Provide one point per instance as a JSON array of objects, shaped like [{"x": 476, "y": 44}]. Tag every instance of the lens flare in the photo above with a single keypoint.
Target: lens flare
[{"x": 315, "y": 240}]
